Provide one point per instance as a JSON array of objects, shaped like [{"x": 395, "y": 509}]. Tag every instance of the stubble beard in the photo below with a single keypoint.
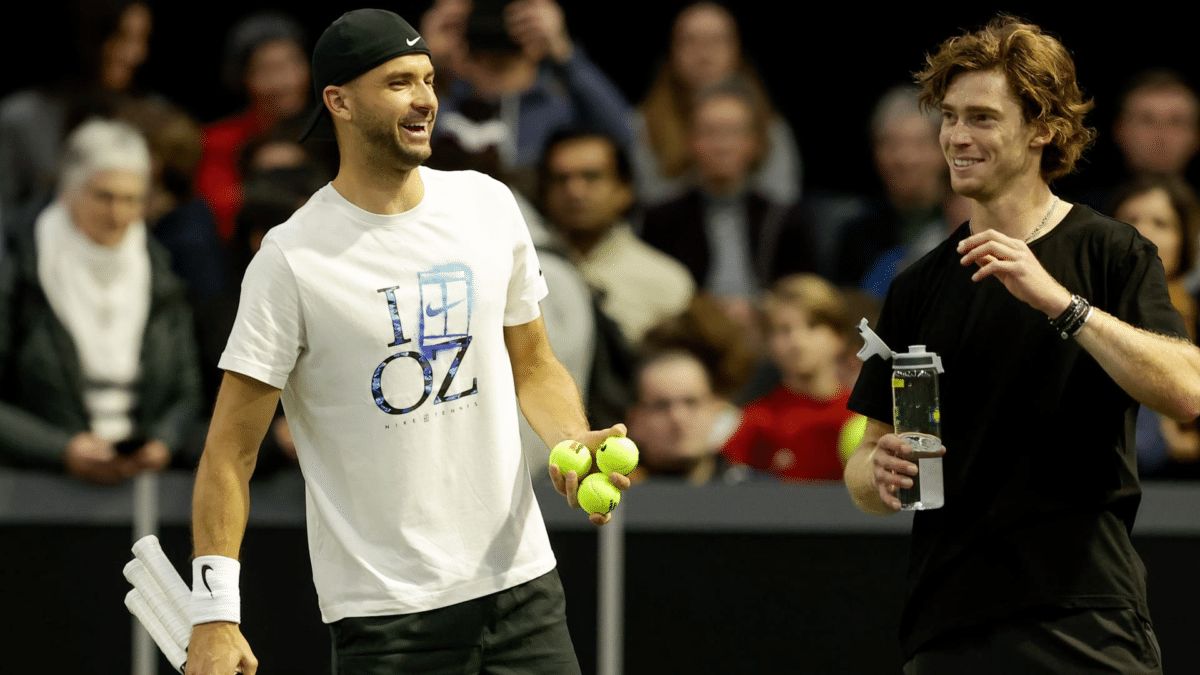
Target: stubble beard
[{"x": 388, "y": 153}]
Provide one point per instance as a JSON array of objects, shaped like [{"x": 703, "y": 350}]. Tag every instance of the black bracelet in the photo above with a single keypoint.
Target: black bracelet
[
  {"x": 1060, "y": 322},
  {"x": 1073, "y": 317}
]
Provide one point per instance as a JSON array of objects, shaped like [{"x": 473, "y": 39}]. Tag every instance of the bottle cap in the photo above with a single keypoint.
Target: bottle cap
[{"x": 917, "y": 357}]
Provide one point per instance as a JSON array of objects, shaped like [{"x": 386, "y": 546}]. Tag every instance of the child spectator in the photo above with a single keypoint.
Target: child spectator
[{"x": 793, "y": 431}]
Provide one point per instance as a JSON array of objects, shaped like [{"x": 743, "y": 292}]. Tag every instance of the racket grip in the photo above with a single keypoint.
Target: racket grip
[
  {"x": 148, "y": 550},
  {"x": 139, "y": 607},
  {"x": 176, "y": 623}
]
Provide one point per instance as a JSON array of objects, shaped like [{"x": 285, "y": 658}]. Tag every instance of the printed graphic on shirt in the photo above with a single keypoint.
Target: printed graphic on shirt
[{"x": 446, "y": 295}]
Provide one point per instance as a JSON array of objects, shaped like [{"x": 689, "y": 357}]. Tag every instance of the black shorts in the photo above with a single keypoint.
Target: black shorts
[
  {"x": 518, "y": 631},
  {"x": 1049, "y": 642}
]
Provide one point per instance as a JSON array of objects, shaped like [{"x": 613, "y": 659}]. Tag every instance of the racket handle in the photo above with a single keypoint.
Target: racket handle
[
  {"x": 139, "y": 607},
  {"x": 148, "y": 550},
  {"x": 178, "y": 628}
]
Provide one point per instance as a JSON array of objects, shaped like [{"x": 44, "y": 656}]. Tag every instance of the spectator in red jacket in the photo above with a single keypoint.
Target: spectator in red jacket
[{"x": 265, "y": 58}]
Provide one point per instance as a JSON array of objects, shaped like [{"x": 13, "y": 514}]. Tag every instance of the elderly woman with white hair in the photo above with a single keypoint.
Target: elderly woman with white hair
[{"x": 98, "y": 369}]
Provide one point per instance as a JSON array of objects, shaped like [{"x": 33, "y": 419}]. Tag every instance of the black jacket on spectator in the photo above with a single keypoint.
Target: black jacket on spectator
[
  {"x": 41, "y": 378},
  {"x": 778, "y": 245}
]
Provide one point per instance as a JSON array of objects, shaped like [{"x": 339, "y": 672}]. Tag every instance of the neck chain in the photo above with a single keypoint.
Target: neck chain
[{"x": 1045, "y": 219}]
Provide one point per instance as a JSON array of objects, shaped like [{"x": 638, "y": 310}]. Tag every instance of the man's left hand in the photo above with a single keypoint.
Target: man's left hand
[
  {"x": 568, "y": 484},
  {"x": 1010, "y": 260}
]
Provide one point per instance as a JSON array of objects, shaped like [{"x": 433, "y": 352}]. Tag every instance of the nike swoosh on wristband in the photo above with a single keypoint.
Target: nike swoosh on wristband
[
  {"x": 204, "y": 577},
  {"x": 413, "y": 41}
]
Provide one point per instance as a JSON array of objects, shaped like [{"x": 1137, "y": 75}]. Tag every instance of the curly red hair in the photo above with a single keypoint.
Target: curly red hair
[{"x": 1040, "y": 73}]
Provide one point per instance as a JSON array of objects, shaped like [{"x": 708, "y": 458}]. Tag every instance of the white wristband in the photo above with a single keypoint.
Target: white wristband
[{"x": 215, "y": 594}]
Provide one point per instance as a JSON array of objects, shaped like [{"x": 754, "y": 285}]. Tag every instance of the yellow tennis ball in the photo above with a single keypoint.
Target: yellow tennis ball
[
  {"x": 597, "y": 495},
  {"x": 571, "y": 455},
  {"x": 617, "y": 453},
  {"x": 851, "y": 435}
]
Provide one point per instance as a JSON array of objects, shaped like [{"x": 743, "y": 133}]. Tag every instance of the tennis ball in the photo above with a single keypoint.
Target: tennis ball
[
  {"x": 851, "y": 435},
  {"x": 597, "y": 495},
  {"x": 617, "y": 453},
  {"x": 571, "y": 456}
]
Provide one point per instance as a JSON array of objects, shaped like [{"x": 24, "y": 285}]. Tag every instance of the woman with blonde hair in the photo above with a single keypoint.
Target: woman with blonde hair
[{"x": 705, "y": 50}]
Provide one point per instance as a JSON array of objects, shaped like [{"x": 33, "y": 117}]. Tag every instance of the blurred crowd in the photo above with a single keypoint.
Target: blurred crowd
[{"x": 697, "y": 291}]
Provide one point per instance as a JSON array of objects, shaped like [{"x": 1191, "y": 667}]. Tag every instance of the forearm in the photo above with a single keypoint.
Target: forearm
[
  {"x": 221, "y": 499},
  {"x": 1160, "y": 372},
  {"x": 220, "y": 504},
  {"x": 551, "y": 401}
]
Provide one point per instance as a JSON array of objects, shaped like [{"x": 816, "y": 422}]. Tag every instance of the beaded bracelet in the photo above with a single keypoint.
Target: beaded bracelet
[{"x": 1073, "y": 318}]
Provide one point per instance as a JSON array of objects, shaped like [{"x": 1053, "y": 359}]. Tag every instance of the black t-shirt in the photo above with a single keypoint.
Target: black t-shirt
[{"x": 1040, "y": 468}]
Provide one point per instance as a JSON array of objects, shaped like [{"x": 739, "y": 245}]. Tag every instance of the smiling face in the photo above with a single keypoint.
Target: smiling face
[
  {"x": 391, "y": 109},
  {"x": 985, "y": 138}
]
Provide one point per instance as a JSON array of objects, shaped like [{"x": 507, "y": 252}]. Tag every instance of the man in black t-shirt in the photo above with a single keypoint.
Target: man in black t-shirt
[{"x": 1028, "y": 567}]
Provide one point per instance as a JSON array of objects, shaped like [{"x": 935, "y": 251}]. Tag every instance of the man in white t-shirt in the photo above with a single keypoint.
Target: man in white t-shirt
[{"x": 397, "y": 314}]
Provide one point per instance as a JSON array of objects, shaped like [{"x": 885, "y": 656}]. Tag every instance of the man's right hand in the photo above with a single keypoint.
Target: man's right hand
[
  {"x": 892, "y": 468},
  {"x": 880, "y": 465},
  {"x": 218, "y": 648}
]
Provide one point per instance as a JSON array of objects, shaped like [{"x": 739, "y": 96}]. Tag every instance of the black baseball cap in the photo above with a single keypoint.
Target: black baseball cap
[{"x": 355, "y": 43}]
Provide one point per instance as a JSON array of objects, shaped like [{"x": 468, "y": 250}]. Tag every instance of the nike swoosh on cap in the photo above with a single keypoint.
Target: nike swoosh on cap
[{"x": 413, "y": 41}]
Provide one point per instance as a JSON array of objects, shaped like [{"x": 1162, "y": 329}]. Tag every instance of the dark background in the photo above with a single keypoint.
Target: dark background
[
  {"x": 824, "y": 69},
  {"x": 695, "y": 602}
]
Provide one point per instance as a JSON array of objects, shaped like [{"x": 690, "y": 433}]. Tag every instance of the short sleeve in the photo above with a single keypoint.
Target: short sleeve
[
  {"x": 527, "y": 285},
  {"x": 1142, "y": 296},
  {"x": 268, "y": 335}
]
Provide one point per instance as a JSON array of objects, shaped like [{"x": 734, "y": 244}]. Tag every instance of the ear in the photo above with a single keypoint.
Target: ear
[
  {"x": 338, "y": 101},
  {"x": 1042, "y": 135}
]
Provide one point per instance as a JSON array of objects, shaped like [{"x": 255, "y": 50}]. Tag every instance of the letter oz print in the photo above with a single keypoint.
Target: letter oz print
[{"x": 446, "y": 295}]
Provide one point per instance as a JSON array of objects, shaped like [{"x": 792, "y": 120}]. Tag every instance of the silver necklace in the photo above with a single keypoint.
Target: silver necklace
[{"x": 1045, "y": 219}]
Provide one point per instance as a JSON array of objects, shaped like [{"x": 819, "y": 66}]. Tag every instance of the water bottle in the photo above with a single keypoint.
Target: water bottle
[
  {"x": 915, "y": 415},
  {"x": 918, "y": 421}
]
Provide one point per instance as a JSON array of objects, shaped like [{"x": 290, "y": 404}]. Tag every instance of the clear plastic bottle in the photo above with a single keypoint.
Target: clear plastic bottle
[{"x": 917, "y": 420}]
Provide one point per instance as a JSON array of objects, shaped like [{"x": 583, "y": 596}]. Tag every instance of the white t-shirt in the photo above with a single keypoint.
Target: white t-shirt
[{"x": 385, "y": 335}]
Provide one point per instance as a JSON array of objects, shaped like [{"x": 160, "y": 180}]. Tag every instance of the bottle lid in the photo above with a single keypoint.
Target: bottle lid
[
  {"x": 917, "y": 357},
  {"x": 873, "y": 345}
]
